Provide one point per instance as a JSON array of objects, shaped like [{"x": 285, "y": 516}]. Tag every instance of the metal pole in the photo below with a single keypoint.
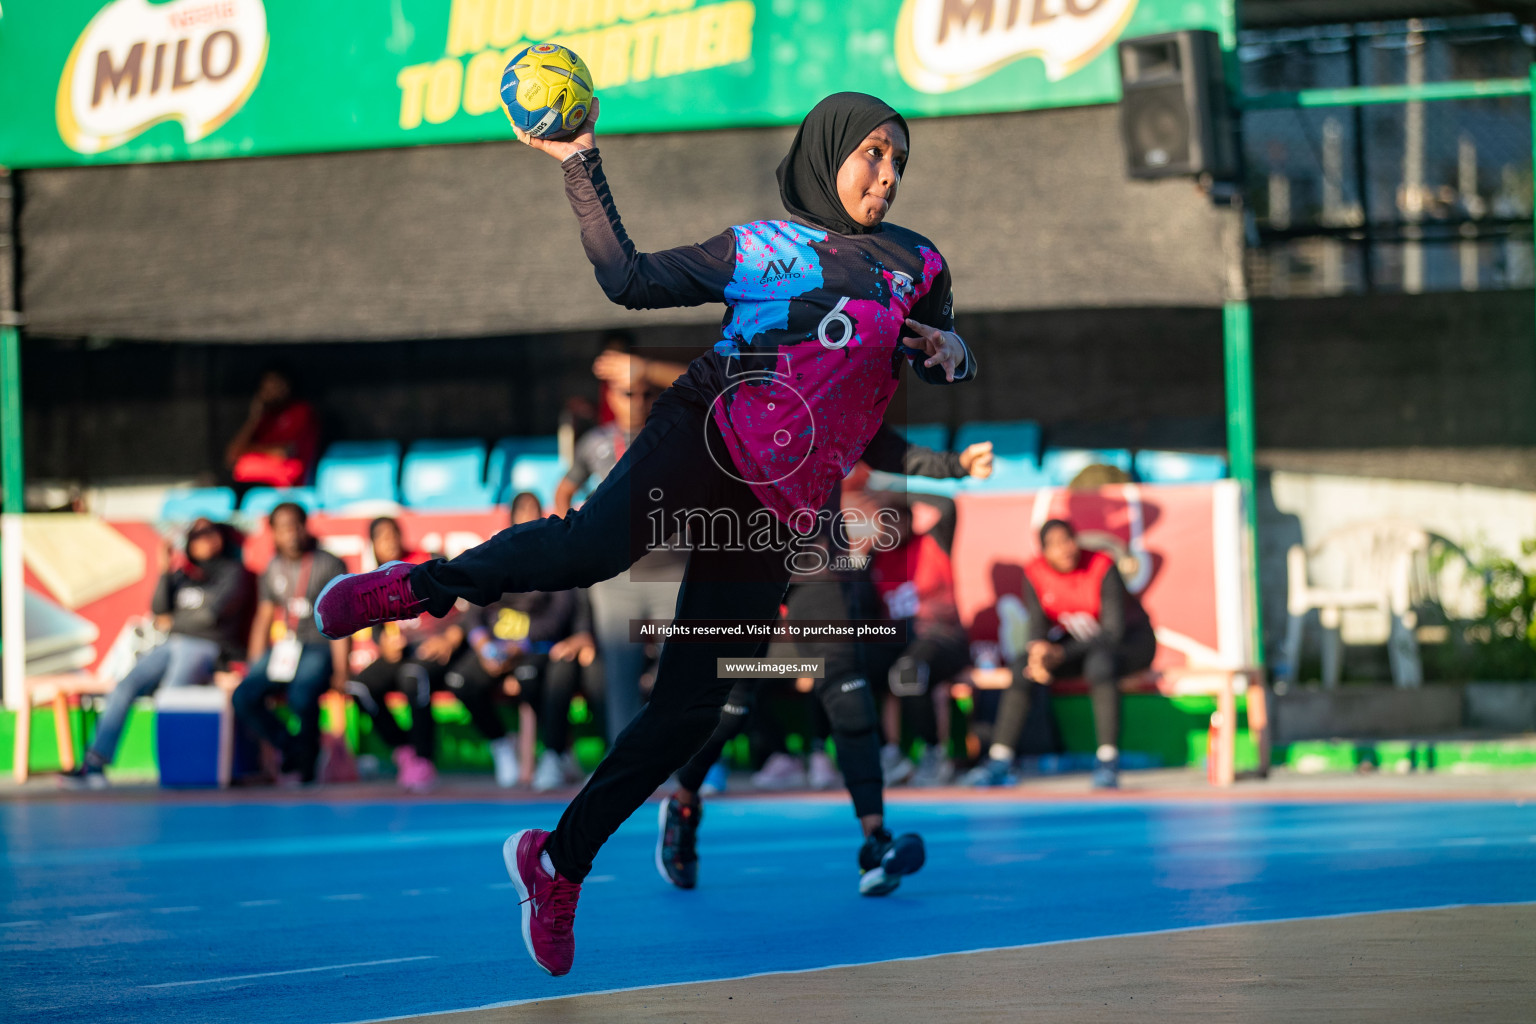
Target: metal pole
[
  {"x": 13, "y": 657},
  {"x": 1413, "y": 164},
  {"x": 12, "y": 592},
  {"x": 1362, "y": 173},
  {"x": 1237, "y": 348},
  {"x": 1237, "y": 339}
]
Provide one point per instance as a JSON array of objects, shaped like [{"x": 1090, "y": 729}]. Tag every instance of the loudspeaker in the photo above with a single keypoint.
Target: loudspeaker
[{"x": 1175, "y": 120}]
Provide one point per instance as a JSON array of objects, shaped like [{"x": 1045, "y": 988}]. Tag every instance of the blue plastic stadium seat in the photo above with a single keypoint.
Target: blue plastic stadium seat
[
  {"x": 1179, "y": 468},
  {"x": 928, "y": 435},
  {"x": 1009, "y": 473},
  {"x": 498, "y": 467},
  {"x": 882, "y": 481},
  {"x": 1061, "y": 465},
  {"x": 445, "y": 474},
  {"x": 1018, "y": 437},
  {"x": 537, "y": 473},
  {"x": 187, "y": 504},
  {"x": 259, "y": 502},
  {"x": 353, "y": 471}
]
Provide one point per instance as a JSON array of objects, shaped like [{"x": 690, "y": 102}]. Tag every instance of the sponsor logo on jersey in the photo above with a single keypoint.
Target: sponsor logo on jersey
[
  {"x": 779, "y": 270},
  {"x": 944, "y": 45},
  {"x": 138, "y": 64}
]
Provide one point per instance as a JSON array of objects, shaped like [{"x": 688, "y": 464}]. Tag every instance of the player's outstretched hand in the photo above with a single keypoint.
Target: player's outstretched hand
[
  {"x": 585, "y": 137},
  {"x": 977, "y": 459},
  {"x": 943, "y": 348}
]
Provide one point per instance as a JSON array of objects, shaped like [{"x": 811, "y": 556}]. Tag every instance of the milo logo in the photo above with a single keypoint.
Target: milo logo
[
  {"x": 137, "y": 64},
  {"x": 943, "y": 45}
]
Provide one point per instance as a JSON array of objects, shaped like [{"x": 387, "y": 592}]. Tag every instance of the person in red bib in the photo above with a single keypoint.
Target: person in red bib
[
  {"x": 915, "y": 583},
  {"x": 1083, "y": 623},
  {"x": 280, "y": 439}
]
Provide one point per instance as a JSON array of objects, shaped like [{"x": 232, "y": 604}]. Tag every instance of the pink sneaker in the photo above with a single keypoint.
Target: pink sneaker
[
  {"x": 548, "y": 902},
  {"x": 415, "y": 773},
  {"x": 354, "y": 601}
]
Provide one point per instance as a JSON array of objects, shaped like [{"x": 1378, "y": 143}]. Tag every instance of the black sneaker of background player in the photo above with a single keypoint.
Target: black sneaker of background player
[
  {"x": 883, "y": 860},
  {"x": 85, "y": 775},
  {"x": 677, "y": 858}
]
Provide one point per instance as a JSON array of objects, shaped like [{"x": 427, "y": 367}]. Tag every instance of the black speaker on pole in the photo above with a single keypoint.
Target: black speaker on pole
[{"x": 1175, "y": 119}]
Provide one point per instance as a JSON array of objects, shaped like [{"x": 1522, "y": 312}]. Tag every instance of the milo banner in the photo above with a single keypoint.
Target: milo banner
[{"x": 87, "y": 81}]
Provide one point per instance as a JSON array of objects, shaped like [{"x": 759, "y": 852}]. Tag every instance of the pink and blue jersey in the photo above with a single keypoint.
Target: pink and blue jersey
[{"x": 812, "y": 342}]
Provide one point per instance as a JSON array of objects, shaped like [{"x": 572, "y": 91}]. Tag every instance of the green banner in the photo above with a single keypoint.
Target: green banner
[{"x": 85, "y": 81}]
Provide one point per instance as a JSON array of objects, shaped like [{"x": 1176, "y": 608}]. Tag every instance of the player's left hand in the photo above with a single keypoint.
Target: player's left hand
[
  {"x": 943, "y": 348},
  {"x": 585, "y": 137},
  {"x": 976, "y": 460}
]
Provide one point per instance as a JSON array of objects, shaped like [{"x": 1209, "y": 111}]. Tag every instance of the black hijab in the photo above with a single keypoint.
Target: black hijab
[{"x": 830, "y": 132}]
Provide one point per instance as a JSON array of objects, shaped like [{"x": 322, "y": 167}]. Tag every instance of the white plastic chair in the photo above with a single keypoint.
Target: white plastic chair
[{"x": 1379, "y": 566}]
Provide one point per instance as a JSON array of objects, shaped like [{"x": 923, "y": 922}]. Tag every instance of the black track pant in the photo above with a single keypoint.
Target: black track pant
[
  {"x": 843, "y": 693},
  {"x": 549, "y": 687},
  {"x": 478, "y": 691},
  {"x": 668, "y": 473},
  {"x": 416, "y": 679},
  {"x": 908, "y": 672},
  {"x": 1102, "y": 664}
]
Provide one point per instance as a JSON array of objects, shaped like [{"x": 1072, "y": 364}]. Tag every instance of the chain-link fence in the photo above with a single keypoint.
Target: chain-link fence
[{"x": 1422, "y": 196}]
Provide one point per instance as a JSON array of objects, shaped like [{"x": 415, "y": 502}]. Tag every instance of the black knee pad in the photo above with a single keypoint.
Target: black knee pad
[
  {"x": 908, "y": 677},
  {"x": 850, "y": 706}
]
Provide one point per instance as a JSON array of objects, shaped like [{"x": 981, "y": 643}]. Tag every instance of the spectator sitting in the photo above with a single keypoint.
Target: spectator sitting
[
  {"x": 286, "y": 648},
  {"x": 1082, "y": 622},
  {"x": 389, "y": 543},
  {"x": 648, "y": 589},
  {"x": 536, "y": 644},
  {"x": 916, "y": 583},
  {"x": 414, "y": 655},
  {"x": 203, "y": 602},
  {"x": 278, "y": 443},
  {"x": 619, "y": 366}
]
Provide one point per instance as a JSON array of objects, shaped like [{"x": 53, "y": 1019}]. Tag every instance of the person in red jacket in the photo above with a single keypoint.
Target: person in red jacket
[
  {"x": 278, "y": 443},
  {"x": 915, "y": 582},
  {"x": 1082, "y": 623}
]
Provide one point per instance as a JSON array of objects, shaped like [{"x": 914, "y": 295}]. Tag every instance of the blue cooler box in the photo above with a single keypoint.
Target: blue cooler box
[{"x": 194, "y": 736}]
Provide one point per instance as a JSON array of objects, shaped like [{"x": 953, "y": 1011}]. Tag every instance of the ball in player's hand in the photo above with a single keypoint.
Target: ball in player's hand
[{"x": 547, "y": 91}]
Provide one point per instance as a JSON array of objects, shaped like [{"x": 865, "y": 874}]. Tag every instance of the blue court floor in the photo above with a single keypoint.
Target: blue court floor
[{"x": 264, "y": 911}]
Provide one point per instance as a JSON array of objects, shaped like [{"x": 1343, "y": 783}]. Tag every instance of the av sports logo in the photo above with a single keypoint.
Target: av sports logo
[
  {"x": 138, "y": 64},
  {"x": 779, "y": 270},
  {"x": 943, "y": 45}
]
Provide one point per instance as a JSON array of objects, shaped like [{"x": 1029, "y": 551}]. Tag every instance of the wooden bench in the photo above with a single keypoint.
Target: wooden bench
[
  {"x": 1222, "y": 683},
  {"x": 59, "y": 691}
]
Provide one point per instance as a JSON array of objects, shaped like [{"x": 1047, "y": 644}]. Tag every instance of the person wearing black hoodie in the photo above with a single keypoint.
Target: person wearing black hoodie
[{"x": 203, "y": 603}]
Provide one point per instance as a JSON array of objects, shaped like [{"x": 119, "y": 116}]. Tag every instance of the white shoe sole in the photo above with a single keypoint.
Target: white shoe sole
[
  {"x": 661, "y": 839},
  {"x": 320, "y": 598},
  {"x": 879, "y": 882},
  {"x": 509, "y": 857}
]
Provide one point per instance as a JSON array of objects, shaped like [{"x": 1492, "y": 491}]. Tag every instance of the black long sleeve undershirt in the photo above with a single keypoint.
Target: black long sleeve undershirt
[{"x": 889, "y": 452}]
